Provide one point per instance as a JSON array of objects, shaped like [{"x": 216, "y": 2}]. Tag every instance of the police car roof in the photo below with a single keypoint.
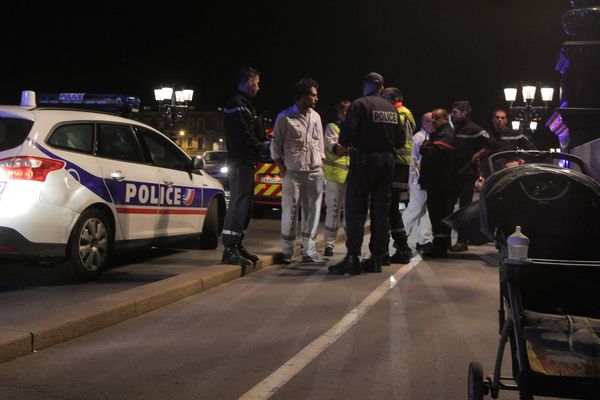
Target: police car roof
[
  {"x": 80, "y": 110},
  {"x": 66, "y": 114},
  {"x": 17, "y": 112}
]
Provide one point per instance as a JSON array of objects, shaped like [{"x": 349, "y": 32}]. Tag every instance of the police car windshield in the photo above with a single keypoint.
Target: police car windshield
[{"x": 13, "y": 132}]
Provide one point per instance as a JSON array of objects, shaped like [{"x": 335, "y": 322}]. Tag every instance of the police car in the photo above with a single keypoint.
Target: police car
[{"x": 82, "y": 186}]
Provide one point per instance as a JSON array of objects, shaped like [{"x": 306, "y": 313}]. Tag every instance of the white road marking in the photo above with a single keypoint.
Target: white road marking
[{"x": 272, "y": 383}]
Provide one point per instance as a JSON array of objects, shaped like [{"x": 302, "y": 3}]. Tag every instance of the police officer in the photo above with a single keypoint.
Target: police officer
[
  {"x": 373, "y": 131},
  {"x": 243, "y": 139}
]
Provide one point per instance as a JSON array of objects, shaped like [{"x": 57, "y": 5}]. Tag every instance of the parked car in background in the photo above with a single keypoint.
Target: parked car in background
[
  {"x": 215, "y": 164},
  {"x": 79, "y": 186}
]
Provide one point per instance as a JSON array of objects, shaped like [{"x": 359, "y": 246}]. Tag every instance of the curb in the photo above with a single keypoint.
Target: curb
[{"x": 90, "y": 316}]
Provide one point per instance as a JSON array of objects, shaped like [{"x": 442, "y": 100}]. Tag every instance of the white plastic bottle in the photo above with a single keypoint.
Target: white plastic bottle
[{"x": 518, "y": 245}]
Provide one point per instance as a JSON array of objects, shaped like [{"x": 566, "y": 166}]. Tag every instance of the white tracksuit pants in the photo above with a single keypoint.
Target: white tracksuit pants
[
  {"x": 335, "y": 194},
  {"x": 304, "y": 190},
  {"x": 416, "y": 213}
]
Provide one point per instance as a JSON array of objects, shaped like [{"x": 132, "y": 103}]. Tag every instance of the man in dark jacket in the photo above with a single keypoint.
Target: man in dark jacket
[
  {"x": 472, "y": 143},
  {"x": 243, "y": 138},
  {"x": 504, "y": 138},
  {"x": 373, "y": 131},
  {"x": 438, "y": 177}
]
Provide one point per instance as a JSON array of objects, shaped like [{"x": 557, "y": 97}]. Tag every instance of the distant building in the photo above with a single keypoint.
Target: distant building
[{"x": 196, "y": 131}]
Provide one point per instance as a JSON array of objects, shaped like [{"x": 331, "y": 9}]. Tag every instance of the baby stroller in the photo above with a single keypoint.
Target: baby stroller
[{"x": 549, "y": 302}]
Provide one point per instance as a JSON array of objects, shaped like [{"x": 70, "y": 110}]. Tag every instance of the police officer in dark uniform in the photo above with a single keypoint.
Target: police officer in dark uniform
[
  {"x": 244, "y": 140},
  {"x": 372, "y": 130}
]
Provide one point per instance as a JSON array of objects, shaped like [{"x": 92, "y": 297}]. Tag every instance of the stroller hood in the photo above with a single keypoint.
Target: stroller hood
[{"x": 550, "y": 203}]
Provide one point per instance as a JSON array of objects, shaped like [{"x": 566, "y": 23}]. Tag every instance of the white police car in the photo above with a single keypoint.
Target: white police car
[{"x": 81, "y": 186}]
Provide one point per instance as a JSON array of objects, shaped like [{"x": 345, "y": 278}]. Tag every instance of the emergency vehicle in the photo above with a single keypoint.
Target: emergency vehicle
[
  {"x": 79, "y": 186},
  {"x": 267, "y": 181},
  {"x": 267, "y": 184}
]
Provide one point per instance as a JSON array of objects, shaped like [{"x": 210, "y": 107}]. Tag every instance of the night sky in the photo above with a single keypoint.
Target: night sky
[{"x": 434, "y": 51}]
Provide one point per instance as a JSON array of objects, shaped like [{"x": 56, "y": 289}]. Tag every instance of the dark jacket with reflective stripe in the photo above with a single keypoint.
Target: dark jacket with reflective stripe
[
  {"x": 243, "y": 130},
  {"x": 438, "y": 164},
  {"x": 470, "y": 138},
  {"x": 372, "y": 126},
  {"x": 508, "y": 139}
]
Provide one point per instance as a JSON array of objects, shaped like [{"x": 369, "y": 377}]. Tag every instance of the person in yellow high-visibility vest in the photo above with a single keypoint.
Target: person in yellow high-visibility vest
[
  {"x": 403, "y": 159},
  {"x": 335, "y": 165}
]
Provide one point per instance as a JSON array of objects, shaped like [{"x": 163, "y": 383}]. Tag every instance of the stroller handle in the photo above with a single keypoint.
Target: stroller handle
[{"x": 534, "y": 156}]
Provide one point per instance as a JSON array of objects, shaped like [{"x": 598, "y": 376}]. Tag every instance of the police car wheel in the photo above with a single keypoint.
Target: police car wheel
[
  {"x": 89, "y": 246},
  {"x": 210, "y": 230}
]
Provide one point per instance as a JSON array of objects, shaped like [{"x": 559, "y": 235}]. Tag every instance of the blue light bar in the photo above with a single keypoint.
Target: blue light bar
[{"x": 119, "y": 103}]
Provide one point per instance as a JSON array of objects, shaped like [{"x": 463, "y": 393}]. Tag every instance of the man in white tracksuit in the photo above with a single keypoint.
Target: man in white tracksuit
[
  {"x": 297, "y": 148},
  {"x": 335, "y": 165},
  {"x": 416, "y": 210}
]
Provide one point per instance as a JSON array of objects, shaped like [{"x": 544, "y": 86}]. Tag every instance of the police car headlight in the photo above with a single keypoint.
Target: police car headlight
[{"x": 224, "y": 170}]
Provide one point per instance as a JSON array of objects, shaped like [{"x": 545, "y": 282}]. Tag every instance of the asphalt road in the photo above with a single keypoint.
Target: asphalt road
[
  {"x": 288, "y": 333},
  {"x": 30, "y": 291}
]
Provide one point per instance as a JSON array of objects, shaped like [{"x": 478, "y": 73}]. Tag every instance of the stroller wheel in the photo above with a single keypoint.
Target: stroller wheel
[{"x": 476, "y": 383}]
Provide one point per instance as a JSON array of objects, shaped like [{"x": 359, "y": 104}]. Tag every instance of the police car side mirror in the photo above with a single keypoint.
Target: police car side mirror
[{"x": 197, "y": 163}]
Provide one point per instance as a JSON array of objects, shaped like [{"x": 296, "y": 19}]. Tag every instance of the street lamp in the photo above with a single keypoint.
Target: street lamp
[
  {"x": 172, "y": 103},
  {"x": 525, "y": 117}
]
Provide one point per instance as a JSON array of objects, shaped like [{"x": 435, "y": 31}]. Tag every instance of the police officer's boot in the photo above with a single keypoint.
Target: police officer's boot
[
  {"x": 245, "y": 253},
  {"x": 350, "y": 264},
  {"x": 371, "y": 264},
  {"x": 231, "y": 255}
]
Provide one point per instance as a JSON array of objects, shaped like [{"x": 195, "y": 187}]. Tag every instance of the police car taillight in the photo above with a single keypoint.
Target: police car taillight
[{"x": 28, "y": 168}]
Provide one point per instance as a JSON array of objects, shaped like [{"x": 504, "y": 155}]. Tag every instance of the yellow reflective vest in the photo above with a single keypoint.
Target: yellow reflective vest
[
  {"x": 404, "y": 154},
  {"x": 335, "y": 166}
]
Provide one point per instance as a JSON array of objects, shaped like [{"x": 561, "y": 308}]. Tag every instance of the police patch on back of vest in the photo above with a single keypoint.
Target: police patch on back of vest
[{"x": 385, "y": 117}]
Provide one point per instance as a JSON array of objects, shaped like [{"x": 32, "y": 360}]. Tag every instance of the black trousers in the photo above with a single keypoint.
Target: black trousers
[
  {"x": 369, "y": 184},
  {"x": 241, "y": 190},
  {"x": 466, "y": 188},
  {"x": 399, "y": 191},
  {"x": 440, "y": 204}
]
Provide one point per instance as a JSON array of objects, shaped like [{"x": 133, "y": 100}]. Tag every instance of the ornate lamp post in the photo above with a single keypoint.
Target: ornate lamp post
[
  {"x": 525, "y": 116},
  {"x": 173, "y": 103}
]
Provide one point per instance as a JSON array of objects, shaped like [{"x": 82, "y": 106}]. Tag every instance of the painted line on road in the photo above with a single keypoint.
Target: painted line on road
[{"x": 272, "y": 383}]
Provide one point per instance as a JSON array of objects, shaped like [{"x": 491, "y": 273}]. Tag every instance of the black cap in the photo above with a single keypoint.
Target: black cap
[{"x": 374, "y": 78}]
